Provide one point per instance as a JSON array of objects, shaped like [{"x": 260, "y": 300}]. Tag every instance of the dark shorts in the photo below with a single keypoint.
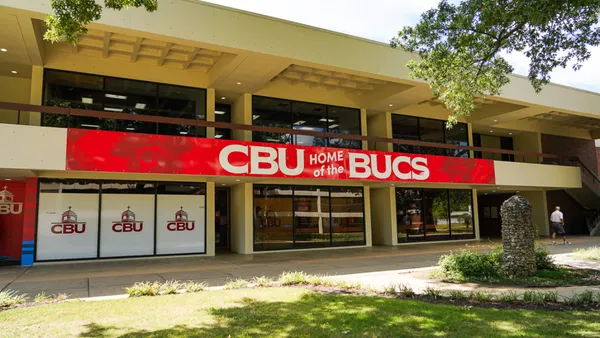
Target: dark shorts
[{"x": 558, "y": 228}]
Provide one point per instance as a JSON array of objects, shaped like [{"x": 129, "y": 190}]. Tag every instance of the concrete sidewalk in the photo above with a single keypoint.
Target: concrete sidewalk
[{"x": 103, "y": 278}]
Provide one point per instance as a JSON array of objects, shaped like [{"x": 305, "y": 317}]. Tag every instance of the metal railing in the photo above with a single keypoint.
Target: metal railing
[{"x": 514, "y": 155}]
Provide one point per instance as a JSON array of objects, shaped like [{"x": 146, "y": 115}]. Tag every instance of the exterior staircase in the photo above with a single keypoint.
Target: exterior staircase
[{"x": 588, "y": 196}]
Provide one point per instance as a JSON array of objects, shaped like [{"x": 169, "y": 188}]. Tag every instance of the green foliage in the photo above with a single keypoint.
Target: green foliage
[
  {"x": 194, "y": 287},
  {"x": 293, "y": 278},
  {"x": 262, "y": 281},
  {"x": 461, "y": 46},
  {"x": 540, "y": 298},
  {"x": 143, "y": 289},
  {"x": 432, "y": 293},
  {"x": 482, "y": 297},
  {"x": 543, "y": 260},
  {"x": 390, "y": 289},
  {"x": 11, "y": 298},
  {"x": 589, "y": 253},
  {"x": 406, "y": 291},
  {"x": 580, "y": 299},
  {"x": 42, "y": 297},
  {"x": 467, "y": 264},
  {"x": 71, "y": 16},
  {"x": 458, "y": 295},
  {"x": 510, "y": 296},
  {"x": 237, "y": 284},
  {"x": 170, "y": 287}
]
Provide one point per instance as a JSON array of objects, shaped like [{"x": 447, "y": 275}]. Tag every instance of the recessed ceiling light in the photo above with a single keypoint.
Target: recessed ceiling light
[
  {"x": 334, "y": 126},
  {"x": 223, "y": 97},
  {"x": 4, "y": 50},
  {"x": 13, "y": 71},
  {"x": 509, "y": 133},
  {"x": 218, "y": 136},
  {"x": 130, "y": 128},
  {"x": 495, "y": 120},
  {"x": 237, "y": 180},
  {"x": 223, "y": 184},
  {"x": 239, "y": 83},
  {"x": 491, "y": 131},
  {"x": 392, "y": 184},
  {"x": 219, "y": 112},
  {"x": 183, "y": 132},
  {"x": 115, "y": 96},
  {"x": 391, "y": 105},
  {"x": 117, "y": 110},
  {"x": 485, "y": 193},
  {"x": 8, "y": 179},
  {"x": 518, "y": 191},
  {"x": 140, "y": 106},
  {"x": 493, "y": 190},
  {"x": 87, "y": 100}
]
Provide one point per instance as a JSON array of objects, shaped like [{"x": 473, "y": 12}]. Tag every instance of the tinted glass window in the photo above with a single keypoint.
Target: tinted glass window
[
  {"x": 405, "y": 128},
  {"x": 409, "y": 215},
  {"x": 131, "y": 97},
  {"x": 312, "y": 117},
  {"x": 345, "y": 121},
  {"x": 223, "y": 114},
  {"x": 347, "y": 216},
  {"x": 273, "y": 218},
  {"x": 271, "y": 113},
  {"x": 431, "y": 131},
  {"x": 183, "y": 103},
  {"x": 461, "y": 214},
  {"x": 458, "y": 135}
]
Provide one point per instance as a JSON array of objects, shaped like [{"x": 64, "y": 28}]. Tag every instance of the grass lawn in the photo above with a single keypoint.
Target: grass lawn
[
  {"x": 589, "y": 253},
  {"x": 286, "y": 312}
]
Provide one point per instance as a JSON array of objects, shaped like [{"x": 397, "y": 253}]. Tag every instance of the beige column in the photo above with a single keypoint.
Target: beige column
[
  {"x": 364, "y": 128},
  {"x": 470, "y": 135},
  {"x": 380, "y": 124},
  {"x": 210, "y": 111},
  {"x": 383, "y": 216},
  {"x": 210, "y": 218},
  {"x": 241, "y": 112},
  {"x": 475, "y": 210},
  {"x": 37, "y": 89},
  {"x": 530, "y": 142},
  {"x": 539, "y": 205},
  {"x": 368, "y": 224},
  {"x": 242, "y": 219}
]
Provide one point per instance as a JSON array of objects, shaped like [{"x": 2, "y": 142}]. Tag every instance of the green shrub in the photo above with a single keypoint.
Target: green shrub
[
  {"x": 543, "y": 260},
  {"x": 348, "y": 285},
  {"x": 293, "y": 278},
  {"x": 42, "y": 297},
  {"x": 589, "y": 253},
  {"x": 406, "y": 291},
  {"x": 483, "y": 297},
  {"x": 192, "y": 287},
  {"x": 469, "y": 264},
  {"x": 508, "y": 297},
  {"x": 432, "y": 293},
  {"x": 143, "y": 289},
  {"x": 317, "y": 280},
  {"x": 170, "y": 287},
  {"x": 262, "y": 281},
  {"x": 390, "y": 289},
  {"x": 11, "y": 298},
  {"x": 237, "y": 284},
  {"x": 534, "y": 297},
  {"x": 584, "y": 298},
  {"x": 60, "y": 297},
  {"x": 458, "y": 295}
]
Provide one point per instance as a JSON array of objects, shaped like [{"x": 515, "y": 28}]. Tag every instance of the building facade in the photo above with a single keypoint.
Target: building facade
[{"x": 200, "y": 129}]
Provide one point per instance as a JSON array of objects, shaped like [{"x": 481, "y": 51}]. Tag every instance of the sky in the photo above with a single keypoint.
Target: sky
[{"x": 380, "y": 20}]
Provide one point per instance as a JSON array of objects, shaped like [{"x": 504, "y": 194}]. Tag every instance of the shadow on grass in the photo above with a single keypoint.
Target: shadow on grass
[{"x": 331, "y": 315}]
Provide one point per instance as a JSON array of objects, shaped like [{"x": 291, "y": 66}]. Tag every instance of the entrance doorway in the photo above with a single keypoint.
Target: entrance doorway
[{"x": 222, "y": 219}]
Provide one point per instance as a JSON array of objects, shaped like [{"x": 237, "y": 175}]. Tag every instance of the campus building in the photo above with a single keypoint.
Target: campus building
[{"x": 200, "y": 129}]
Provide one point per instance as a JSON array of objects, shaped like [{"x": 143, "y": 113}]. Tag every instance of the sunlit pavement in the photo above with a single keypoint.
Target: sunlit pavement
[{"x": 377, "y": 266}]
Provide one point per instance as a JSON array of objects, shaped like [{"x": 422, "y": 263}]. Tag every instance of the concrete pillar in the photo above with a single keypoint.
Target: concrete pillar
[
  {"x": 364, "y": 128},
  {"x": 470, "y": 135},
  {"x": 241, "y": 112},
  {"x": 36, "y": 94},
  {"x": 380, "y": 124},
  {"x": 540, "y": 215},
  {"x": 475, "y": 209},
  {"x": 383, "y": 216},
  {"x": 210, "y": 218},
  {"x": 242, "y": 239},
  {"x": 368, "y": 224},
  {"x": 210, "y": 111},
  {"x": 531, "y": 142}
]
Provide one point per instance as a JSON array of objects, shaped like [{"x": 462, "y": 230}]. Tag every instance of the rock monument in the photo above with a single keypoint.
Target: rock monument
[{"x": 518, "y": 237}]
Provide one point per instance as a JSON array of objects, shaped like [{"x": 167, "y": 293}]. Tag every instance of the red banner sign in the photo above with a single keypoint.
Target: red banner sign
[{"x": 129, "y": 152}]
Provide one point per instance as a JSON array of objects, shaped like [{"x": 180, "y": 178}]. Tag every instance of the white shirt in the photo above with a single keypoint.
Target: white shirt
[{"x": 556, "y": 216}]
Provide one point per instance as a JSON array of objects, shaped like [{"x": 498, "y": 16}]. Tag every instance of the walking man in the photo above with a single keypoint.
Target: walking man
[{"x": 558, "y": 226}]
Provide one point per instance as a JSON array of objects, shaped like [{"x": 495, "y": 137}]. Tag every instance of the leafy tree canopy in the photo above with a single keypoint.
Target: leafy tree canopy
[
  {"x": 461, "y": 45},
  {"x": 72, "y": 16}
]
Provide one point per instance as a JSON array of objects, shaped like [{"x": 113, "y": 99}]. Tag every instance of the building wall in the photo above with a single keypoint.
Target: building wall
[
  {"x": 585, "y": 150},
  {"x": 16, "y": 90}
]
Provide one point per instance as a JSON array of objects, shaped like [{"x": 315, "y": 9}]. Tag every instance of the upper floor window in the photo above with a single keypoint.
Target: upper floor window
[
  {"x": 115, "y": 95},
  {"x": 429, "y": 130},
  {"x": 272, "y": 112}
]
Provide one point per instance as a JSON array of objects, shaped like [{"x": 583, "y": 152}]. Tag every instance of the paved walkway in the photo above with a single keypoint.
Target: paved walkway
[{"x": 103, "y": 278}]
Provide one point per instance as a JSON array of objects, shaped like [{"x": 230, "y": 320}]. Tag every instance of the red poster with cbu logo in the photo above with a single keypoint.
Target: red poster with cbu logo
[{"x": 106, "y": 151}]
